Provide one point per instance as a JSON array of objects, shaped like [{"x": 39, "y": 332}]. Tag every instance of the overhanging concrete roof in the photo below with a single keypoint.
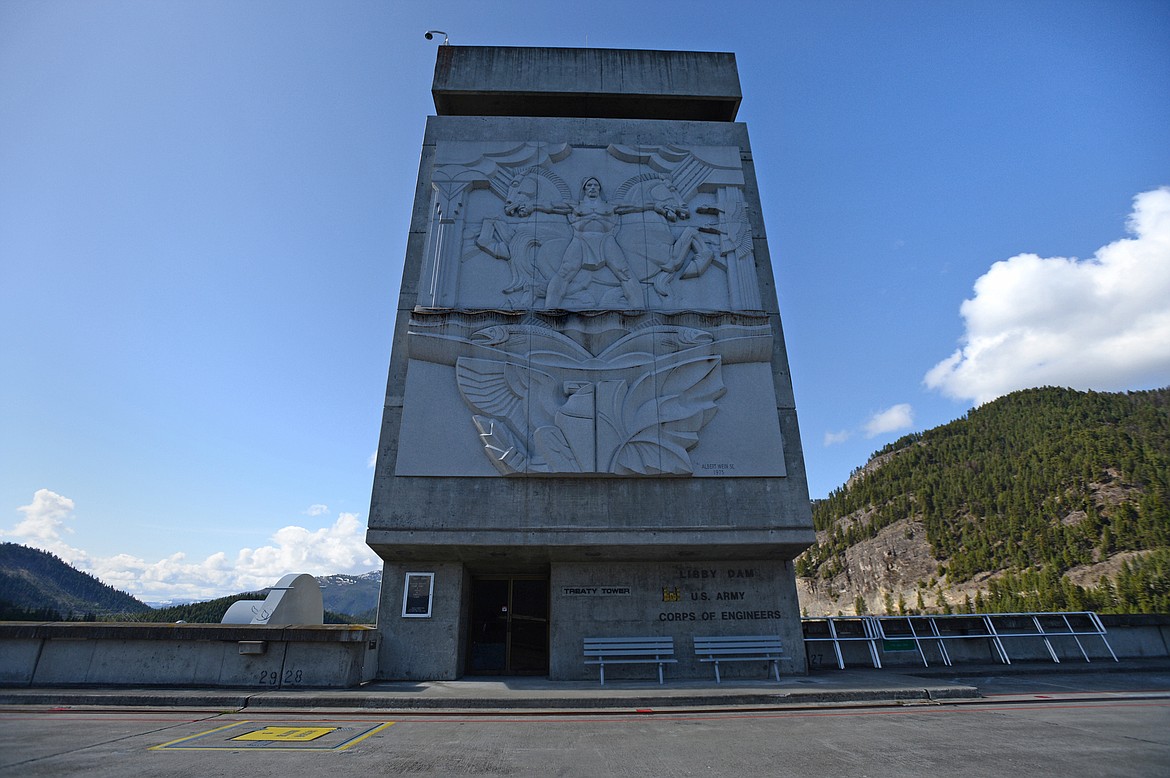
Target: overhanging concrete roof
[{"x": 599, "y": 83}]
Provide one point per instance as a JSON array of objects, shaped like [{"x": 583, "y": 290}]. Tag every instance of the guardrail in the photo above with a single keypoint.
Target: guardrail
[
  {"x": 936, "y": 631},
  {"x": 840, "y": 630}
]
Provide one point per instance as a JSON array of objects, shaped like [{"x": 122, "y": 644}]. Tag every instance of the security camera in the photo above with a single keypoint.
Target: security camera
[{"x": 430, "y": 35}]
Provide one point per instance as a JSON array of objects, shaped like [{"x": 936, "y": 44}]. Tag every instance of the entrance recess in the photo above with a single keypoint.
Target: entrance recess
[{"x": 509, "y": 626}]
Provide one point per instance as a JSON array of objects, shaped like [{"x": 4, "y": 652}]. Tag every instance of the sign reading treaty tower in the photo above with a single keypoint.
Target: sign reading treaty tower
[{"x": 589, "y": 427}]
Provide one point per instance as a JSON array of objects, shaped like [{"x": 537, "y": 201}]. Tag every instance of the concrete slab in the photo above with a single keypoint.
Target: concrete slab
[{"x": 611, "y": 83}]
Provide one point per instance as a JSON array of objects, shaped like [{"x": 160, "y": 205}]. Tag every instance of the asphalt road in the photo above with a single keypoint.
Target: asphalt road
[{"x": 1113, "y": 733}]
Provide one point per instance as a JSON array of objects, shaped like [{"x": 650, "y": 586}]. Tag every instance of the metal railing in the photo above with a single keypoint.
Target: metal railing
[
  {"x": 842, "y": 629},
  {"x": 935, "y": 631}
]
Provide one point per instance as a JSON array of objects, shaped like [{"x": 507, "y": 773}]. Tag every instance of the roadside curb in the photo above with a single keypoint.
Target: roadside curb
[{"x": 285, "y": 701}]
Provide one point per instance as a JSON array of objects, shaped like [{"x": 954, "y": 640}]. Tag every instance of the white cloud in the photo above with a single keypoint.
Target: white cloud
[
  {"x": 316, "y": 509},
  {"x": 892, "y": 419},
  {"x": 833, "y": 438},
  {"x": 373, "y": 460},
  {"x": 44, "y": 520},
  {"x": 44, "y": 517},
  {"x": 896, "y": 417},
  {"x": 1101, "y": 323},
  {"x": 337, "y": 548}
]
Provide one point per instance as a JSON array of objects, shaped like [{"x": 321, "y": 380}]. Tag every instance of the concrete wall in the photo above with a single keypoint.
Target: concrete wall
[
  {"x": 70, "y": 654},
  {"x": 588, "y": 360},
  {"x": 683, "y": 599},
  {"x": 551, "y": 518},
  {"x": 514, "y": 81},
  {"x": 432, "y": 648},
  {"x": 260, "y": 657}
]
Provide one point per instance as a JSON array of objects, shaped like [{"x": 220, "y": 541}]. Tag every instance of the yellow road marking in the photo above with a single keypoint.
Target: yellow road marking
[
  {"x": 282, "y": 733},
  {"x": 287, "y": 734}
]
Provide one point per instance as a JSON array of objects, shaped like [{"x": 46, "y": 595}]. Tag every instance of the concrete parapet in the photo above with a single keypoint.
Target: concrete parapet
[
  {"x": 262, "y": 657},
  {"x": 1139, "y": 635},
  {"x": 607, "y": 83}
]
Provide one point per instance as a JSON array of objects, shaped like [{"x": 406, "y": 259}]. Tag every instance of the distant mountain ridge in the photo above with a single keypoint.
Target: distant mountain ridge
[
  {"x": 348, "y": 599},
  {"x": 37, "y": 585},
  {"x": 353, "y": 595},
  {"x": 1043, "y": 499},
  {"x": 37, "y": 581}
]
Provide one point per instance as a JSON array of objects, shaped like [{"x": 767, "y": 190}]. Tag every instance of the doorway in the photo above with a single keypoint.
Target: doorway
[{"x": 509, "y": 626}]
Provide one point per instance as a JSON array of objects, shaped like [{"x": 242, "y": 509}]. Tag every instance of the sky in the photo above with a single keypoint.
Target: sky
[{"x": 204, "y": 209}]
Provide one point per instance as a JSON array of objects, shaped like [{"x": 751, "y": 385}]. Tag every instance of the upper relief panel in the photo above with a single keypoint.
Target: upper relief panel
[{"x": 547, "y": 226}]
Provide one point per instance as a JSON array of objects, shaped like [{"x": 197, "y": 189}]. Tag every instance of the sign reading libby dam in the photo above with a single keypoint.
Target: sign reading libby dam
[{"x": 589, "y": 390}]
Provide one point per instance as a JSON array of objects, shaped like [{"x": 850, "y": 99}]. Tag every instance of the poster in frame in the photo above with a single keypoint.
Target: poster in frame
[{"x": 417, "y": 595}]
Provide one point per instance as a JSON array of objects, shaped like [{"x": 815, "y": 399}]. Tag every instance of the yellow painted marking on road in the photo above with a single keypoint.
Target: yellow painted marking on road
[
  {"x": 295, "y": 737},
  {"x": 193, "y": 737},
  {"x": 362, "y": 737},
  {"x": 287, "y": 734}
]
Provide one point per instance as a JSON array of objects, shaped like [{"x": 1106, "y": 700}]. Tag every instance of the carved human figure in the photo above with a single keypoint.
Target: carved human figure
[{"x": 593, "y": 245}]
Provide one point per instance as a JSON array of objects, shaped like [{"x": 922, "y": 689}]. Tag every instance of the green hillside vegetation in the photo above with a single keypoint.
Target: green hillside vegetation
[
  {"x": 1033, "y": 484},
  {"x": 209, "y": 612},
  {"x": 212, "y": 611},
  {"x": 37, "y": 585}
]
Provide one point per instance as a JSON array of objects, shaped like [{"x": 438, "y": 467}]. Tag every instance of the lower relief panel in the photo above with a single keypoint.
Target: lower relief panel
[{"x": 606, "y": 395}]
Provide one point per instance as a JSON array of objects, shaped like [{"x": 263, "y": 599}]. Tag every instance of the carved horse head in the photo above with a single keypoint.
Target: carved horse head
[
  {"x": 524, "y": 190},
  {"x": 531, "y": 186}
]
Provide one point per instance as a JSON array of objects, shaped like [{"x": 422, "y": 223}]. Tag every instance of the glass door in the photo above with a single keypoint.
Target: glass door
[{"x": 509, "y": 626}]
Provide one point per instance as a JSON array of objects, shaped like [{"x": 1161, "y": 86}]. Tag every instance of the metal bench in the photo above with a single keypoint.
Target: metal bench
[
  {"x": 740, "y": 648},
  {"x": 628, "y": 651}
]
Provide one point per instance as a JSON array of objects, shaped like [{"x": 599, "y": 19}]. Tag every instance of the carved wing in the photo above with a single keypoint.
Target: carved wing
[
  {"x": 507, "y": 390},
  {"x": 662, "y": 414}
]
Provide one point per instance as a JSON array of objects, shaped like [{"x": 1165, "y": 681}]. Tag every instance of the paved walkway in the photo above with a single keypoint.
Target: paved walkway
[{"x": 860, "y": 686}]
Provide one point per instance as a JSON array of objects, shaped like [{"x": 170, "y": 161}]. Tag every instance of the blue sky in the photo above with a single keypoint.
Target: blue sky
[{"x": 204, "y": 207}]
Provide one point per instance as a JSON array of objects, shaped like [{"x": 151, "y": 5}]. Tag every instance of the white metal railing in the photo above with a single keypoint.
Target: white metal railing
[
  {"x": 937, "y": 630},
  {"x": 842, "y": 629}
]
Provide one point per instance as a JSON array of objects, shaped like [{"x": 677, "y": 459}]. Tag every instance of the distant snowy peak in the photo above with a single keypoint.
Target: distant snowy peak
[{"x": 342, "y": 579}]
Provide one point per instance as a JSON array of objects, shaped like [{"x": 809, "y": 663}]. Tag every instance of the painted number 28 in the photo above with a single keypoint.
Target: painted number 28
[{"x": 272, "y": 677}]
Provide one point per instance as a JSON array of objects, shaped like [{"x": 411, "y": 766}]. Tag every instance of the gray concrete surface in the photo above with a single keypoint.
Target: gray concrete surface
[
  {"x": 588, "y": 382},
  {"x": 518, "y": 81},
  {"x": 862, "y": 686},
  {"x": 1087, "y": 721},
  {"x": 224, "y": 655}
]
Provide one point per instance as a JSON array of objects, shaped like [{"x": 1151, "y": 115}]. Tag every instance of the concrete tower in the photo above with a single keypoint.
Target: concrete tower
[{"x": 589, "y": 426}]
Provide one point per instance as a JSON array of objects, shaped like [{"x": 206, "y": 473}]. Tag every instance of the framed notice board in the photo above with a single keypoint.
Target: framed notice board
[{"x": 417, "y": 595}]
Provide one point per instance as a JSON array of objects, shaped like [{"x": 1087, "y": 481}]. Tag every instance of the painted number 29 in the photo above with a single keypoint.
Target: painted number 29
[{"x": 272, "y": 677}]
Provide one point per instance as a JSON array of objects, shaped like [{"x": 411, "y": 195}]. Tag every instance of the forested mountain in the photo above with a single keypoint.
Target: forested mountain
[
  {"x": 353, "y": 595},
  {"x": 35, "y": 584},
  {"x": 348, "y": 599},
  {"x": 1043, "y": 499}
]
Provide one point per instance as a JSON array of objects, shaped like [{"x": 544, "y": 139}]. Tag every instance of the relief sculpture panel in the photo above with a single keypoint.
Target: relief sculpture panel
[
  {"x": 667, "y": 395},
  {"x": 592, "y": 311},
  {"x": 551, "y": 227}
]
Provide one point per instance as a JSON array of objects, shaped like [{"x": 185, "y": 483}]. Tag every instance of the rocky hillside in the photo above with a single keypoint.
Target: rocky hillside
[{"x": 1045, "y": 498}]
